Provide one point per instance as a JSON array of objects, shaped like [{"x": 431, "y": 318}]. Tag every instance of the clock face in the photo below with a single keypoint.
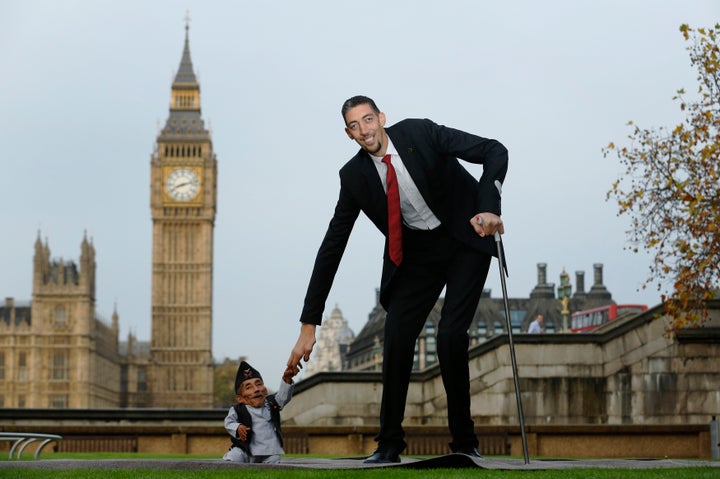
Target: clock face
[{"x": 182, "y": 184}]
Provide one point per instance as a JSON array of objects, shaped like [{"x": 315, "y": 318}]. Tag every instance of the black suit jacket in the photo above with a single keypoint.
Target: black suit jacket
[{"x": 429, "y": 152}]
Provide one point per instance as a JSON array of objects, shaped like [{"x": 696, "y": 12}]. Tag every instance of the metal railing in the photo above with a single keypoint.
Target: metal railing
[{"x": 24, "y": 439}]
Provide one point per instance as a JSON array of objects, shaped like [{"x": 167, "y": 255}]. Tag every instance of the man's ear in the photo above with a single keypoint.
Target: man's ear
[
  {"x": 240, "y": 399},
  {"x": 347, "y": 132},
  {"x": 381, "y": 118}
]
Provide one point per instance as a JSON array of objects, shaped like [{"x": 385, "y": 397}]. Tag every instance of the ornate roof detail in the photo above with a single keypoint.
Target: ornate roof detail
[
  {"x": 332, "y": 343},
  {"x": 185, "y": 121},
  {"x": 185, "y": 73}
]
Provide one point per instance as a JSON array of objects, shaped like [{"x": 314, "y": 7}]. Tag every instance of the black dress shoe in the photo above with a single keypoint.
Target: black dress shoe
[
  {"x": 384, "y": 456},
  {"x": 470, "y": 451}
]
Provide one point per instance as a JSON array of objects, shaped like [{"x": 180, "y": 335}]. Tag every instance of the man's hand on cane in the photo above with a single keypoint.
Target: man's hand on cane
[{"x": 487, "y": 224}]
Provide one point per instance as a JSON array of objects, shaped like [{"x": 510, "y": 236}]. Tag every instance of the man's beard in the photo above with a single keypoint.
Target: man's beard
[{"x": 379, "y": 147}]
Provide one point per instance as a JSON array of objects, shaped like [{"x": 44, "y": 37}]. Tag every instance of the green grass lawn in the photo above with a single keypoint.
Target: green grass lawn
[
  {"x": 685, "y": 473},
  {"x": 394, "y": 473}
]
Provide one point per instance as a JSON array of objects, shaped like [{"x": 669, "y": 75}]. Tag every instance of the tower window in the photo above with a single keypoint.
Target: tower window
[
  {"x": 142, "y": 380},
  {"x": 22, "y": 367},
  {"x": 60, "y": 315},
  {"x": 59, "y": 370},
  {"x": 58, "y": 402}
]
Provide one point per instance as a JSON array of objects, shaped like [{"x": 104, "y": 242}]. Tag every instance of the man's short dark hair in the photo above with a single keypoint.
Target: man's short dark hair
[{"x": 358, "y": 100}]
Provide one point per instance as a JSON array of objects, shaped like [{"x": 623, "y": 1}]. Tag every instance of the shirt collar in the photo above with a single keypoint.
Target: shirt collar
[{"x": 390, "y": 151}]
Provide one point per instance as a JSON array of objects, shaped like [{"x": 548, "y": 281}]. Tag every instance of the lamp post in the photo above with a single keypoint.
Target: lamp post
[{"x": 564, "y": 295}]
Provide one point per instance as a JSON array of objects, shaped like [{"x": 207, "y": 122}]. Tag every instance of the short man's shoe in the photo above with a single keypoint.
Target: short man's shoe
[
  {"x": 470, "y": 451},
  {"x": 384, "y": 456}
]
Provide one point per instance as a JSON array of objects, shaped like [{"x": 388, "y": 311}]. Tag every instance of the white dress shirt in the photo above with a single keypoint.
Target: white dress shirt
[{"x": 415, "y": 212}]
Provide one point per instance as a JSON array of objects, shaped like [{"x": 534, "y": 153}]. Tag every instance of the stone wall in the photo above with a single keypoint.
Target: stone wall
[
  {"x": 630, "y": 372},
  {"x": 161, "y": 433}
]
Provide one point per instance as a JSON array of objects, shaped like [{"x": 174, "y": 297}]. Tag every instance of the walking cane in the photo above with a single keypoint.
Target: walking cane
[{"x": 503, "y": 272}]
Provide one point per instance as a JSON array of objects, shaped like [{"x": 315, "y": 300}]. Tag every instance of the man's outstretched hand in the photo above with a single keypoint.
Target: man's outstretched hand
[{"x": 303, "y": 347}]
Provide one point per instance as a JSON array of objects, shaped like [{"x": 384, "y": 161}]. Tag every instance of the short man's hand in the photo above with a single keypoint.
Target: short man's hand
[
  {"x": 303, "y": 347},
  {"x": 289, "y": 373},
  {"x": 242, "y": 432},
  {"x": 487, "y": 224}
]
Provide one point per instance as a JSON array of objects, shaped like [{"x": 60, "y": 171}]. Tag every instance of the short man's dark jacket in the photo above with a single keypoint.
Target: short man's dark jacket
[{"x": 245, "y": 418}]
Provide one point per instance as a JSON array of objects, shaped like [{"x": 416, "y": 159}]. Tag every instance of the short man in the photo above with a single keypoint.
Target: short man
[
  {"x": 536, "y": 325},
  {"x": 254, "y": 422},
  {"x": 439, "y": 222}
]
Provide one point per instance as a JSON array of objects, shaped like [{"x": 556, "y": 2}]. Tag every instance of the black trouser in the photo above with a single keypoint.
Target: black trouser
[{"x": 431, "y": 260}]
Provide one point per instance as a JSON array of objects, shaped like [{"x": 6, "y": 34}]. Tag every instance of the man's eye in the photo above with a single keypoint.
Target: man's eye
[
  {"x": 354, "y": 126},
  {"x": 369, "y": 119}
]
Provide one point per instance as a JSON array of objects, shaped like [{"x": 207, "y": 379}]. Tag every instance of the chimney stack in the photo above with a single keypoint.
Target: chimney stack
[
  {"x": 580, "y": 283},
  {"x": 542, "y": 274},
  {"x": 598, "y": 274}
]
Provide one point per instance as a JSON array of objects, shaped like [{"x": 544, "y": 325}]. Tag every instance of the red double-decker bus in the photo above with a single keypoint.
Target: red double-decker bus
[{"x": 586, "y": 321}]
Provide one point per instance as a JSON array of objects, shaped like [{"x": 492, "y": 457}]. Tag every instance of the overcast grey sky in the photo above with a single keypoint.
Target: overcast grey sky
[{"x": 85, "y": 85}]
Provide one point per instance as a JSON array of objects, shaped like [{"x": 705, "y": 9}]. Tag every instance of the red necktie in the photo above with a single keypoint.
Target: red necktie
[{"x": 394, "y": 214}]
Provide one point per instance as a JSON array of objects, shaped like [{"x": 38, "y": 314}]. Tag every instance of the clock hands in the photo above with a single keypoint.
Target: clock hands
[
  {"x": 182, "y": 184},
  {"x": 179, "y": 185}
]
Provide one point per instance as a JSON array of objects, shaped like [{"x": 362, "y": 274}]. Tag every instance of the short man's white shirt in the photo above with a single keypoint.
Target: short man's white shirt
[{"x": 264, "y": 440}]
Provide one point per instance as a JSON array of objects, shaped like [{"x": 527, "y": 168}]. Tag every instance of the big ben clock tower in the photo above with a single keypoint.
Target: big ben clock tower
[{"x": 183, "y": 200}]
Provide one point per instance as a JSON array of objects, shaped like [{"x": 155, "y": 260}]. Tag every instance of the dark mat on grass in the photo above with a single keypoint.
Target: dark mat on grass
[{"x": 450, "y": 461}]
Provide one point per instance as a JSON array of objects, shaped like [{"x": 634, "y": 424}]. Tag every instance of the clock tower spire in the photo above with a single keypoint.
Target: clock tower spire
[{"x": 183, "y": 202}]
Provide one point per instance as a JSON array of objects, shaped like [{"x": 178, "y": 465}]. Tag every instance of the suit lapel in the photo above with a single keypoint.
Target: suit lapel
[
  {"x": 377, "y": 199},
  {"x": 411, "y": 159}
]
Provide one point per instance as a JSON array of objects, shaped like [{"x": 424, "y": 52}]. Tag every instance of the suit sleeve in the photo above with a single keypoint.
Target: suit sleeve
[
  {"x": 474, "y": 149},
  {"x": 329, "y": 256}
]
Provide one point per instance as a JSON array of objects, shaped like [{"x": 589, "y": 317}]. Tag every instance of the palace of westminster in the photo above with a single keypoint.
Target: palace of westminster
[{"x": 55, "y": 351}]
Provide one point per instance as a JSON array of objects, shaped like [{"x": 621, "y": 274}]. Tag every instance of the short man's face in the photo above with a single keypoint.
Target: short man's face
[
  {"x": 252, "y": 392},
  {"x": 365, "y": 126}
]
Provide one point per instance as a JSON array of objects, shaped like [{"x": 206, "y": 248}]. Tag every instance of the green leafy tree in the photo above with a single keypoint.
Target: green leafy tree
[{"x": 671, "y": 191}]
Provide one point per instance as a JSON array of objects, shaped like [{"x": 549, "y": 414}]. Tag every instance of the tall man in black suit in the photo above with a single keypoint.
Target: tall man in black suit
[{"x": 448, "y": 223}]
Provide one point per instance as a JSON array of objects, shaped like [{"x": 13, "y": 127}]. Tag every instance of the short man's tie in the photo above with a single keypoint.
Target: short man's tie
[{"x": 394, "y": 214}]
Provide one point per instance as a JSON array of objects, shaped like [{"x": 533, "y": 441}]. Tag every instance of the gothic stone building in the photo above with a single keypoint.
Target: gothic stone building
[
  {"x": 334, "y": 339},
  {"x": 183, "y": 202},
  {"x": 57, "y": 352}
]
